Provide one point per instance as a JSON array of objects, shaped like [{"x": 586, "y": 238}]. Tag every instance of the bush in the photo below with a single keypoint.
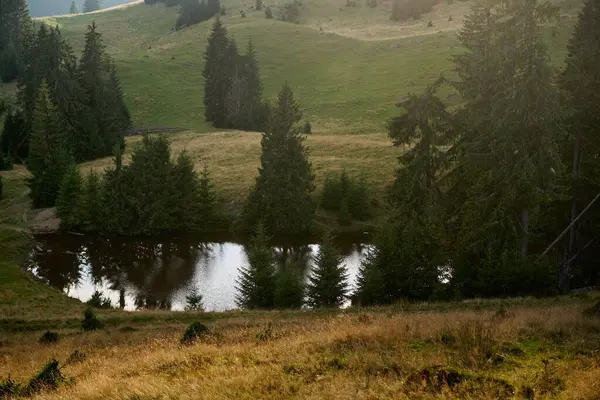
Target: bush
[
  {"x": 49, "y": 378},
  {"x": 344, "y": 190},
  {"x": 193, "y": 301},
  {"x": 194, "y": 332},
  {"x": 76, "y": 357},
  {"x": 49, "y": 337},
  {"x": 307, "y": 129},
  {"x": 99, "y": 301},
  {"x": 90, "y": 322}
]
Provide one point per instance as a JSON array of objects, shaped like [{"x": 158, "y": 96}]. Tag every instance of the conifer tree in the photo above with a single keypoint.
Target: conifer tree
[
  {"x": 69, "y": 197},
  {"x": 427, "y": 124},
  {"x": 149, "y": 173},
  {"x": 48, "y": 158},
  {"x": 50, "y": 58},
  {"x": 281, "y": 197},
  {"x": 500, "y": 180},
  {"x": 116, "y": 197},
  {"x": 257, "y": 284},
  {"x": 217, "y": 81},
  {"x": 268, "y": 13},
  {"x": 91, "y": 5},
  {"x": 73, "y": 9},
  {"x": 254, "y": 114},
  {"x": 209, "y": 214},
  {"x": 91, "y": 213},
  {"x": 186, "y": 207},
  {"x": 289, "y": 288},
  {"x": 14, "y": 141},
  {"x": 259, "y": 5},
  {"x": 15, "y": 29},
  {"x": 581, "y": 83},
  {"x": 104, "y": 99},
  {"x": 328, "y": 281}
]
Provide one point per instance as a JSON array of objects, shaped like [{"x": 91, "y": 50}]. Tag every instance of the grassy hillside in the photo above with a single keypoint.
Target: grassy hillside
[
  {"x": 347, "y": 77},
  {"x": 42, "y": 8}
]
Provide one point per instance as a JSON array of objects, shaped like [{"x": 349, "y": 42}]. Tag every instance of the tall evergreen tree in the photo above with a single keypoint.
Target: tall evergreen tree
[
  {"x": 328, "y": 281},
  {"x": 281, "y": 197},
  {"x": 14, "y": 142},
  {"x": 48, "y": 158},
  {"x": 90, "y": 212},
  {"x": 507, "y": 160},
  {"x": 257, "y": 284},
  {"x": 104, "y": 99},
  {"x": 217, "y": 81},
  {"x": 91, "y": 5},
  {"x": 15, "y": 30},
  {"x": 50, "y": 58},
  {"x": 117, "y": 197},
  {"x": 581, "y": 83},
  {"x": 73, "y": 9},
  {"x": 289, "y": 287},
  {"x": 69, "y": 197}
]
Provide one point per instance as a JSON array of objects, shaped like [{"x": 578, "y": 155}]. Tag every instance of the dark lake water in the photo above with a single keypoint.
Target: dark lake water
[{"x": 159, "y": 272}]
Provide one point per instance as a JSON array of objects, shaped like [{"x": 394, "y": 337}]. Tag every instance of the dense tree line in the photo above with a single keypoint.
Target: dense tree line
[
  {"x": 86, "y": 97},
  {"x": 152, "y": 194},
  {"x": 480, "y": 195},
  {"x": 15, "y": 32}
]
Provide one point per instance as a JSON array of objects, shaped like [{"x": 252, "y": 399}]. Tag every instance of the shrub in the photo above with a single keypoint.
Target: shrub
[
  {"x": 49, "y": 337},
  {"x": 341, "y": 190},
  {"x": 307, "y": 128},
  {"x": 193, "y": 301},
  {"x": 49, "y": 378},
  {"x": 194, "y": 332},
  {"x": 76, "y": 357},
  {"x": 99, "y": 301},
  {"x": 90, "y": 322},
  {"x": 9, "y": 389}
]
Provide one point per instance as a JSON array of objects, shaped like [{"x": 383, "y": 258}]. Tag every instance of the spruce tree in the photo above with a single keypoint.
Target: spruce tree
[
  {"x": 50, "y": 58},
  {"x": 259, "y": 5},
  {"x": 14, "y": 141},
  {"x": 328, "y": 281},
  {"x": 69, "y": 197},
  {"x": 104, "y": 99},
  {"x": 257, "y": 284},
  {"x": 581, "y": 83},
  {"x": 91, "y": 212},
  {"x": 254, "y": 114},
  {"x": 91, "y": 5},
  {"x": 15, "y": 29},
  {"x": 148, "y": 174},
  {"x": 73, "y": 9},
  {"x": 216, "y": 79},
  {"x": 48, "y": 158},
  {"x": 281, "y": 197},
  {"x": 507, "y": 159},
  {"x": 209, "y": 214},
  {"x": 289, "y": 288},
  {"x": 186, "y": 208},
  {"x": 117, "y": 197}
]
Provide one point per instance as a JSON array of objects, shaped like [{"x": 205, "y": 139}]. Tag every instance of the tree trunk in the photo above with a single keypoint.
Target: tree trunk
[
  {"x": 525, "y": 227},
  {"x": 565, "y": 266}
]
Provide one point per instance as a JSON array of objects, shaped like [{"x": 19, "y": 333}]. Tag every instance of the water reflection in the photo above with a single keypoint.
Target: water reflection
[{"x": 160, "y": 272}]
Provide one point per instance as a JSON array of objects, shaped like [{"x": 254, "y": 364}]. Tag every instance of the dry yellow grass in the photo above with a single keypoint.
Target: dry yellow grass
[{"x": 369, "y": 355}]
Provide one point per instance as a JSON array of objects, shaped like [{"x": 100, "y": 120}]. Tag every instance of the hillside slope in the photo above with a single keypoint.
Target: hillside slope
[
  {"x": 42, "y": 8},
  {"x": 347, "y": 77}
]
